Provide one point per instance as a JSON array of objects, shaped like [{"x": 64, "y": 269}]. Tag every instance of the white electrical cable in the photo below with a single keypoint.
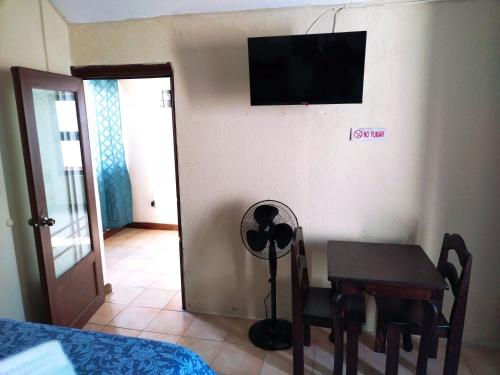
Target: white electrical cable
[
  {"x": 335, "y": 17},
  {"x": 379, "y": 4},
  {"x": 320, "y": 17}
]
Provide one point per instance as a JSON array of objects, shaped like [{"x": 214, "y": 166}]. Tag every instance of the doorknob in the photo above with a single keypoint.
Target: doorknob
[
  {"x": 46, "y": 221},
  {"x": 33, "y": 223},
  {"x": 43, "y": 222}
]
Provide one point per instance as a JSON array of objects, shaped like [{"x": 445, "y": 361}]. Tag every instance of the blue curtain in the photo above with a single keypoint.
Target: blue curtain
[{"x": 113, "y": 180}]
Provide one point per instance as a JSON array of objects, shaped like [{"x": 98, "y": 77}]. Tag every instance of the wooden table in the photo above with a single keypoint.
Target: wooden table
[{"x": 389, "y": 270}]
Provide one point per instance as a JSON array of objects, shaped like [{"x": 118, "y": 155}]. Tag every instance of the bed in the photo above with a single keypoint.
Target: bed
[{"x": 101, "y": 353}]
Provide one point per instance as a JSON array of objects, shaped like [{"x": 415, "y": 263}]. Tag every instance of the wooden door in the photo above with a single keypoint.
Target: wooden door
[{"x": 54, "y": 134}]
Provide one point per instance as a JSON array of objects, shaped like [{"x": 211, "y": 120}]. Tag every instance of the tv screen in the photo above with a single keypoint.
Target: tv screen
[{"x": 307, "y": 69}]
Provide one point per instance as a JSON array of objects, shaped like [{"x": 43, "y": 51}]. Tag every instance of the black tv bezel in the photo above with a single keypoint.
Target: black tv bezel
[{"x": 253, "y": 102}]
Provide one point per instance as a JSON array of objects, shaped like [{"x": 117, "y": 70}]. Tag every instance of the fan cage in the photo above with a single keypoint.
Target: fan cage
[{"x": 285, "y": 216}]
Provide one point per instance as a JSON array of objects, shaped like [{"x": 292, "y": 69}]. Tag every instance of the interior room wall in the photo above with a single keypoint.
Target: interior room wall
[
  {"x": 149, "y": 149},
  {"x": 32, "y": 34},
  {"x": 461, "y": 182},
  {"x": 429, "y": 79}
]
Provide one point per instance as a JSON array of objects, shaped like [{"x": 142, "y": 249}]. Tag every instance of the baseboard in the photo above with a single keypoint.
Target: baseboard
[
  {"x": 157, "y": 226},
  {"x": 108, "y": 288},
  {"x": 111, "y": 232}
]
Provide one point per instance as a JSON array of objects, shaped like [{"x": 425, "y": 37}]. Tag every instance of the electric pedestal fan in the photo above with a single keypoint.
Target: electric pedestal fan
[{"x": 267, "y": 232}]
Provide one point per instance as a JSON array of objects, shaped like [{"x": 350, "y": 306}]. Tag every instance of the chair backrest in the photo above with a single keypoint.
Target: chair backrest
[
  {"x": 459, "y": 284},
  {"x": 300, "y": 277}
]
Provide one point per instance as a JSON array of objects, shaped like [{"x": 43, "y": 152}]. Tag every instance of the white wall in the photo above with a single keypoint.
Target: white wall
[
  {"x": 32, "y": 34},
  {"x": 461, "y": 182},
  {"x": 430, "y": 79},
  {"x": 149, "y": 149},
  {"x": 11, "y": 305}
]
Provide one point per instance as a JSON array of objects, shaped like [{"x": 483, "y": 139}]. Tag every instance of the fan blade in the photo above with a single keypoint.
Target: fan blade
[
  {"x": 265, "y": 214},
  {"x": 256, "y": 240},
  {"x": 283, "y": 236}
]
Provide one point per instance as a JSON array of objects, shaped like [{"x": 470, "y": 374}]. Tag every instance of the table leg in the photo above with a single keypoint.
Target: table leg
[
  {"x": 407, "y": 344},
  {"x": 353, "y": 331},
  {"x": 392, "y": 357},
  {"x": 428, "y": 332},
  {"x": 338, "y": 331},
  {"x": 435, "y": 341},
  {"x": 380, "y": 336}
]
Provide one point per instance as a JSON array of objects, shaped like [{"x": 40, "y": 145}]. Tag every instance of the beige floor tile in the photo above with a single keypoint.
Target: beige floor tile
[
  {"x": 434, "y": 366},
  {"x": 123, "y": 294},
  {"x": 323, "y": 351},
  {"x": 173, "y": 267},
  {"x": 130, "y": 263},
  {"x": 238, "y": 333},
  {"x": 134, "y": 317},
  {"x": 374, "y": 363},
  {"x": 236, "y": 359},
  {"x": 209, "y": 327},
  {"x": 139, "y": 279},
  {"x": 167, "y": 282},
  {"x": 175, "y": 303},
  {"x": 482, "y": 360},
  {"x": 111, "y": 262},
  {"x": 321, "y": 337},
  {"x": 148, "y": 234},
  {"x": 93, "y": 327},
  {"x": 121, "y": 331},
  {"x": 280, "y": 362},
  {"x": 159, "y": 337},
  {"x": 171, "y": 237},
  {"x": 120, "y": 251},
  {"x": 171, "y": 322},
  {"x": 163, "y": 266},
  {"x": 146, "y": 252},
  {"x": 113, "y": 241},
  {"x": 206, "y": 349},
  {"x": 323, "y": 361},
  {"x": 116, "y": 274},
  {"x": 106, "y": 313},
  {"x": 137, "y": 241},
  {"x": 127, "y": 233},
  {"x": 155, "y": 298}
]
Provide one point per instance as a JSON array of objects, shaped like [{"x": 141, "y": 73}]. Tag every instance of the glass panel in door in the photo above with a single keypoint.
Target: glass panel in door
[{"x": 63, "y": 177}]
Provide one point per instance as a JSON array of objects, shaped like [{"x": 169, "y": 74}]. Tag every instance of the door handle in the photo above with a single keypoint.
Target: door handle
[
  {"x": 46, "y": 221},
  {"x": 43, "y": 222},
  {"x": 33, "y": 223}
]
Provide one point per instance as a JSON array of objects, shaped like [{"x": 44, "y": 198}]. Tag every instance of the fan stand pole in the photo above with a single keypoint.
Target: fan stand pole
[
  {"x": 272, "y": 334},
  {"x": 272, "y": 270}
]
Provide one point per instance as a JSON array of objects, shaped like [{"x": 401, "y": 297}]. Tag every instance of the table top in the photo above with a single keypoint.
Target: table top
[{"x": 382, "y": 263}]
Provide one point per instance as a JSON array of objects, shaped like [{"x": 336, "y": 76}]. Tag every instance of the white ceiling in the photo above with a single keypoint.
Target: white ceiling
[{"x": 87, "y": 11}]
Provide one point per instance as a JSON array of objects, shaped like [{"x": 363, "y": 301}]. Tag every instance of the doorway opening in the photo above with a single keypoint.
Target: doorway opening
[{"x": 131, "y": 117}]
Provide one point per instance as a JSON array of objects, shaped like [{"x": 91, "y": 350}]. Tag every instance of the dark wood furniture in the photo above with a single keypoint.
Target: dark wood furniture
[
  {"x": 407, "y": 315},
  {"x": 311, "y": 306},
  {"x": 75, "y": 295},
  {"x": 385, "y": 270}
]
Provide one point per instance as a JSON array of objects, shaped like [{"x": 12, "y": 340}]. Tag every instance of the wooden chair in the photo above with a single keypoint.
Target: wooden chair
[
  {"x": 395, "y": 316},
  {"x": 311, "y": 306}
]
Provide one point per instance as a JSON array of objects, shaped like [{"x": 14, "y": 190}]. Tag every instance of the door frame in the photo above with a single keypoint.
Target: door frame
[
  {"x": 24, "y": 79},
  {"x": 134, "y": 71}
]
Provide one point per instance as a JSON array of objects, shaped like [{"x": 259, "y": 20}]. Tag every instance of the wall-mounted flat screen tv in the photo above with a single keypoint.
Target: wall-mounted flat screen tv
[{"x": 307, "y": 69}]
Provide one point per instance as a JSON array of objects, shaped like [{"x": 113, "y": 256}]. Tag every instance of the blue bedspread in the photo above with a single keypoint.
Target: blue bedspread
[{"x": 100, "y": 353}]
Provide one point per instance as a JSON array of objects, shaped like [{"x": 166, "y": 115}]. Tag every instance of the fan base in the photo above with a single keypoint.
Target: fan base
[{"x": 271, "y": 335}]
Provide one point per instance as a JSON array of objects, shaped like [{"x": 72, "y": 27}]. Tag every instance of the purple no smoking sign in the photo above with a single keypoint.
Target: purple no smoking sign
[{"x": 368, "y": 134}]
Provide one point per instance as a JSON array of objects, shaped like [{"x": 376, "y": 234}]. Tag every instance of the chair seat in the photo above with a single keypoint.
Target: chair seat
[
  {"x": 317, "y": 305},
  {"x": 406, "y": 312}
]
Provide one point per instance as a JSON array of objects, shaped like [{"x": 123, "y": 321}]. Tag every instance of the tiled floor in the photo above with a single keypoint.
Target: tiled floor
[{"x": 143, "y": 266}]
